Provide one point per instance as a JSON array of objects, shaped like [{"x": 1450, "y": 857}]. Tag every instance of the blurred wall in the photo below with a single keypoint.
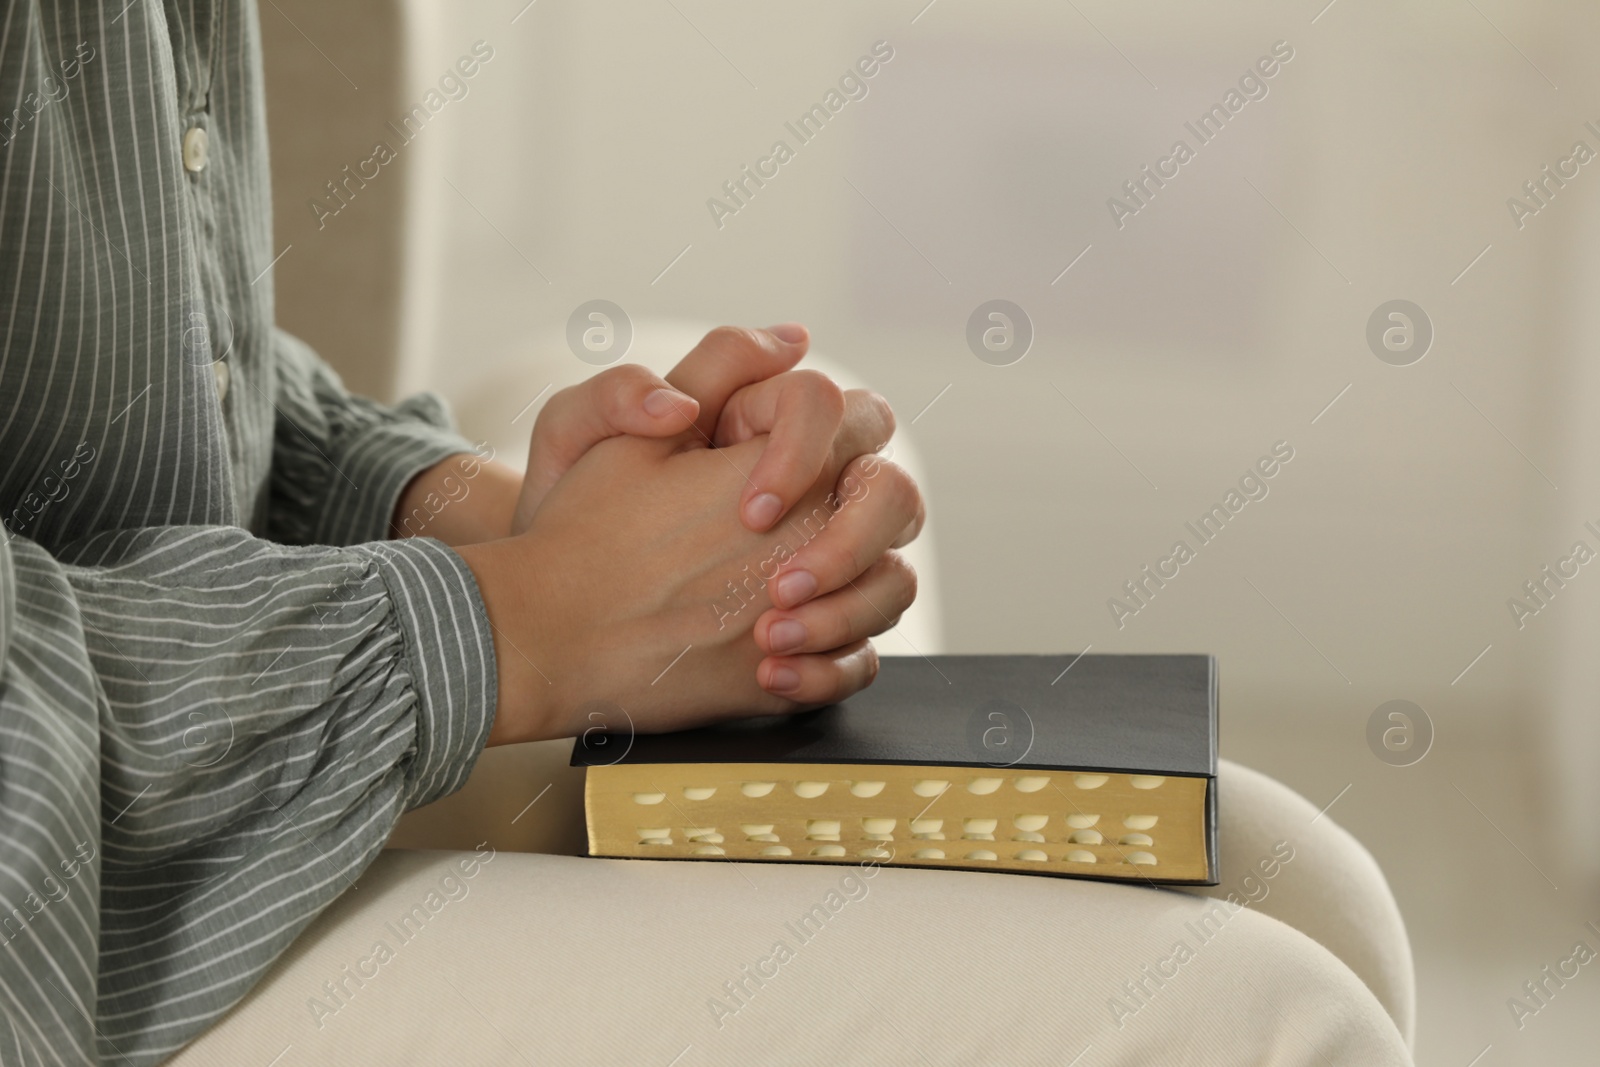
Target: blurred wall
[{"x": 351, "y": 230}]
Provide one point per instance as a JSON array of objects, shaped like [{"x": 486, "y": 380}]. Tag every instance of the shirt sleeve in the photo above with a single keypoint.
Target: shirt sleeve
[
  {"x": 340, "y": 461},
  {"x": 204, "y": 739}
]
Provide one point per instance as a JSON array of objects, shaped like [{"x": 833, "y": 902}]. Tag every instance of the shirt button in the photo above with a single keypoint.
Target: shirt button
[
  {"x": 220, "y": 369},
  {"x": 194, "y": 149}
]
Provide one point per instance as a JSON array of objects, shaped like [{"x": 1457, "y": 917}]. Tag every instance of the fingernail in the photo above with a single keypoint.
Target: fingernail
[
  {"x": 783, "y": 680},
  {"x": 796, "y": 587},
  {"x": 786, "y": 634},
  {"x": 792, "y": 332},
  {"x": 666, "y": 401},
  {"x": 763, "y": 510}
]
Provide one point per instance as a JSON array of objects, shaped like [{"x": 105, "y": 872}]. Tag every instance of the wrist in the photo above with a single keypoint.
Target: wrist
[
  {"x": 524, "y": 708},
  {"x": 461, "y": 500}
]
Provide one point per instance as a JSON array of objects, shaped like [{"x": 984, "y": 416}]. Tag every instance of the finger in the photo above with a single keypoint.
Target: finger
[
  {"x": 869, "y": 466},
  {"x": 623, "y": 400},
  {"x": 729, "y": 358},
  {"x": 810, "y": 424},
  {"x": 824, "y": 678},
  {"x": 802, "y": 411},
  {"x": 909, "y": 534},
  {"x": 868, "y": 425},
  {"x": 865, "y": 607},
  {"x": 874, "y": 503}
]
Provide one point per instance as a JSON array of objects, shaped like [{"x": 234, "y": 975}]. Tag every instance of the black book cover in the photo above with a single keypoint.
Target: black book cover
[{"x": 1129, "y": 714}]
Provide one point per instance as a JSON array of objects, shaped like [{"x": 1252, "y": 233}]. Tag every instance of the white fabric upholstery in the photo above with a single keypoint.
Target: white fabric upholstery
[{"x": 555, "y": 959}]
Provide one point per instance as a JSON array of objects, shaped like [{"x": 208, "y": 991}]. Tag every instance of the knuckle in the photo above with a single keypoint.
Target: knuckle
[
  {"x": 631, "y": 374},
  {"x": 879, "y": 407},
  {"x": 869, "y": 409},
  {"x": 611, "y": 386},
  {"x": 821, "y": 390},
  {"x": 898, "y": 487},
  {"x": 898, "y": 484},
  {"x": 837, "y": 685},
  {"x": 904, "y": 575},
  {"x": 731, "y": 340},
  {"x": 835, "y": 625},
  {"x": 869, "y": 655},
  {"x": 838, "y": 561}
]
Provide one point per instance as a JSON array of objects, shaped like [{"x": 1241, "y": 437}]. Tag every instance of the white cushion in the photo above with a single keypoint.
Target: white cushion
[
  {"x": 548, "y": 959},
  {"x": 554, "y": 959}
]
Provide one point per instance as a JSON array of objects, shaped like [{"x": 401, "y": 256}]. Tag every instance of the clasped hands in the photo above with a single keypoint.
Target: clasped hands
[{"x": 717, "y": 544}]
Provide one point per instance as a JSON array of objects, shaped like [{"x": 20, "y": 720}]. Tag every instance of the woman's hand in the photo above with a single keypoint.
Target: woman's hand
[
  {"x": 734, "y": 385},
  {"x": 636, "y": 584},
  {"x": 465, "y": 499}
]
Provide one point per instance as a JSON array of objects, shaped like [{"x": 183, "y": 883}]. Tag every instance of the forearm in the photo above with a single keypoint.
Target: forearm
[
  {"x": 157, "y": 716},
  {"x": 462, "y": 500}
]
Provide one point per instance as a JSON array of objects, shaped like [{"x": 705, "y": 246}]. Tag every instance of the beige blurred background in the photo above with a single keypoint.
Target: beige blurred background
[{"x": 1228, "y": 314}]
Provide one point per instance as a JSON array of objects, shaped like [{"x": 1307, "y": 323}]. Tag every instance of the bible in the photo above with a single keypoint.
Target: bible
[{"x": 1092, "y": 766}]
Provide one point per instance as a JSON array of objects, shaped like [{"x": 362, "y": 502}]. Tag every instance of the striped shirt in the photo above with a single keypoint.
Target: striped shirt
[{"x": 219, "y": 684}]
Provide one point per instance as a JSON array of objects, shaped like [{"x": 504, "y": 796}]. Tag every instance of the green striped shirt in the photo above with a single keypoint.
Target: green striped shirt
[{"x": 219, "y": 684}]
